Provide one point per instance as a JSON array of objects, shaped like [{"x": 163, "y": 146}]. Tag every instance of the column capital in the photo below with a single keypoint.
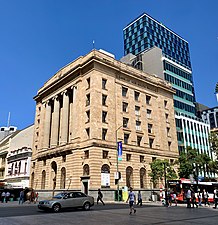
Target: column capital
[
  {"x": 56, "y": 97},
  {"x": 66, "y": 92}
]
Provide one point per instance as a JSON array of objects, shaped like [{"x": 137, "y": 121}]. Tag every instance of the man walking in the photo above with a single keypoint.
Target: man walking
[
  {"x": 100, "y": 196},
  {"x": 215, "y": 198},
  {"x": 188, "y": 198},
  {"x": 21, "y": 199},
  {"x": 7, "y": 196},
  {"x": 139, "y": 198},
  {"x": 132, "y": 199}
]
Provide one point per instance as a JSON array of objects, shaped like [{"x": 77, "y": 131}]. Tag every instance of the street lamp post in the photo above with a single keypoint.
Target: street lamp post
[
  {"x": 118, "y": 197},
  {"x": 165, "y": 181}
]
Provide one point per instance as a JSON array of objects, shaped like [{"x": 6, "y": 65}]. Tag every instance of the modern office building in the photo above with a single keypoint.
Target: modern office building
[
  {"x": 152, "y": 47},
  {"x": 84, "y": 110}
]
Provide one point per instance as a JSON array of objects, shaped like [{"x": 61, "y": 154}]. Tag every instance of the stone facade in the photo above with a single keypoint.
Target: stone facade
[{"x": 84, "y": 110}]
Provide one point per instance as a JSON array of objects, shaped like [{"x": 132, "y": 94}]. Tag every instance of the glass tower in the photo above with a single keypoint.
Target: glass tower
[{"x": 152, "y": 47}]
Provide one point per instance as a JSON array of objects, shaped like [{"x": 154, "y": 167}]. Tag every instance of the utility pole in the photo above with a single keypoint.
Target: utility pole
[
  {"x": 118, "y": 197},
  {"x": 165, "y": 181}
]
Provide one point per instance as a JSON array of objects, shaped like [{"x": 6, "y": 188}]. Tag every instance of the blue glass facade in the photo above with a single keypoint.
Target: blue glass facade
[{"x": 145, "y": 32}]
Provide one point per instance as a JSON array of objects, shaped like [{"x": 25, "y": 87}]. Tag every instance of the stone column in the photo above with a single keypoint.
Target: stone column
[
  {"x": 73, "y": 114},
  {"x": 65, "y": 118},
  {"x": 47, "y": 125},
  {"x": 55, "y": 122}
]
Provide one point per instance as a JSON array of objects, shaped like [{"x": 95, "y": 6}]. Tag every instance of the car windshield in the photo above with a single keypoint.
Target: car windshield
[{"x": 60, "y": 195}]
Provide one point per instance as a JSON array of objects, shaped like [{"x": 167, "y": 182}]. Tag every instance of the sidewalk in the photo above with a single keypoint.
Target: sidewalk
[{"x": 16, "y": 204}]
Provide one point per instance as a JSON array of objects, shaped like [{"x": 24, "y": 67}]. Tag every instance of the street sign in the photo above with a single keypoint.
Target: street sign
[{"x": 120, "y": 149}]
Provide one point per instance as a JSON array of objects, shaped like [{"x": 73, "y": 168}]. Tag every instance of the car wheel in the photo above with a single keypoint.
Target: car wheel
[
  {"x": 56, "y": 208},
  {"x": 86, "y": 206}
]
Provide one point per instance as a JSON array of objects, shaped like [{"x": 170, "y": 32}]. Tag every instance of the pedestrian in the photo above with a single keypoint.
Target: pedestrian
[
  {"x": 139, "y": 198},
  {"x": 199, "y": 198},
  {"x": 36, "y": 197},
  {"x": 194, "y": 203},
  {"x": 3, "y": 195},
  {"x": 174, "y": 197},
  {"x": 21, "y": 199},
  {"x": 131, "y": 198},
  {"x": 205, "y": 197},
  {"x": 7, "y": 196},
  {"x": 188, "y": 198},
  {"x": 32, "y": 196},
  {"x": 215, "y": 197},
  {"x": 100, "y": 197}
]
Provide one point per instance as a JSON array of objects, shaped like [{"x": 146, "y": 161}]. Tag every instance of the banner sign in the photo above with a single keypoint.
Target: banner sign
[{"x": 120, "y": 149}]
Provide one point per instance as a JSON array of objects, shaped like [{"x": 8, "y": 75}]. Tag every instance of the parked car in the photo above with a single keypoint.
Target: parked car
[{"x": 67, "y": 200}]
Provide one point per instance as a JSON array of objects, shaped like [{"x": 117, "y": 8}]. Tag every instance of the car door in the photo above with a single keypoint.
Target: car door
[
  {"x": 67, "y": 201},
  {"x": 79, "y": 199}
]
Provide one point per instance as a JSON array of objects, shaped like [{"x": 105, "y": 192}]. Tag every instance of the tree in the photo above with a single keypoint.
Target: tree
[
  {"x": 213, "y": 139},
  {"x": 191, "y": 157},
  {"x": 157, "y": 171}
]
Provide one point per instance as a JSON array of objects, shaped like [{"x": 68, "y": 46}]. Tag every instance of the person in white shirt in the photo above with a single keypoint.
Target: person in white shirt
[
  {"x": 215, "y": 197},
  {"x": 188, "y": 198},
  {"x": 132, "y": 199}
]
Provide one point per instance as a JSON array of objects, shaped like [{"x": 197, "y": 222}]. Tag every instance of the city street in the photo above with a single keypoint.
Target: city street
[{"x": 111, "y": 214}]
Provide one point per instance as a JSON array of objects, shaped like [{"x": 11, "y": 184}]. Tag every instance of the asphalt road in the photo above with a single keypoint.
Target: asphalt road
[{"x": 111, "y": 214}]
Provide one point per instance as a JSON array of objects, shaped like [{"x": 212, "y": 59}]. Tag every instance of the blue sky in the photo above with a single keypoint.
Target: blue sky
[{"x": 39, "y": 37}]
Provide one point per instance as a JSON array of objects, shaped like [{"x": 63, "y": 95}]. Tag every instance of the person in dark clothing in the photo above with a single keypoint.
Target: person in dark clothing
[
  {"x": 100, "y": 197},
  {"x": 193, "y": 199},
  {"x": 139, "y": 198}
]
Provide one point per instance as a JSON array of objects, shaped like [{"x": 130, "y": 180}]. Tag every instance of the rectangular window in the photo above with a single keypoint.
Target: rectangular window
[
  {"x": 104, "y": 99},
  {"x": 104, "y": 132},
  {"x": 125, "y": 106},
  {"x": 169, "y": 145},
  {"x": 138, "y": 125},
  {"x": 137, "y": 110},
  {"x": 139, "y": 139},
  {"x": 86, "y": 154},
  {"x": 128, "y": 157},
  {"x": 167, "y": 117},
  {"x": 142, "y": 159},
  {"x": 126, "y": 138},
  {"x": 88, "y": 132},
  {"x": 150, "y": 128},
  {"x": 148, "y": 99},
  {"x": 88, "y": 82},
  {"x": 104, "y": 115},
  {"x": 168, "y": 131},
  {"x": 104, "y": 81},
  {"x": 125, "y": 122},
  {"x": 165, "y": 103},
  {"x": 148, "y": 113},
  {"x": 124, "y": 91},
  {"x": 88, "y": 116},
  {"x": 87, "y": 99},
  {"x": 136, "y": 95},
  {"x": 151, "y": 141},
  {"x": 104, "y": 154}
]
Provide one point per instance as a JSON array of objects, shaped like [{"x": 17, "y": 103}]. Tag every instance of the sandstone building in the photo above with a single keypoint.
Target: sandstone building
[{"x": 84, "y": 110}]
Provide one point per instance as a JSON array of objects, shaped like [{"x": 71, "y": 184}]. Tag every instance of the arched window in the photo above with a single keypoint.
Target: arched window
[
  {"x": 86, "y": 170},
  {"x": 105, "y": 176},
  {"x": 129, "y": 176},
  {"x": 142, "y": 178},
  {"x": 105, "y": 168},
  {"x": 32, "y": 179},
  {"x": 63, "y": 178},
  {"x": 53, "y": 174},
  {"x": 43, "y": 179}
]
